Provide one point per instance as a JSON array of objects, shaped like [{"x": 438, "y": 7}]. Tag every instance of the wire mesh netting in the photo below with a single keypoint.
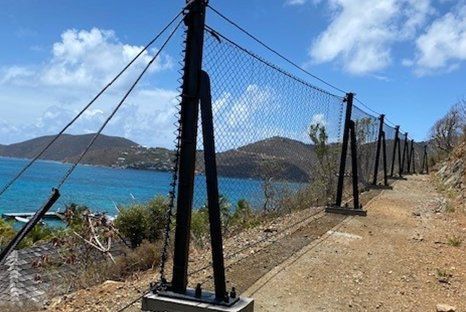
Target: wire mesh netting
[
  {"x": 390, "y": 136},
  {"x": 367, "y": 132},
  {"x": 275, "y": 135},
  {"x": 418, "y": 151},
  {"x": 404, "y": 148}
]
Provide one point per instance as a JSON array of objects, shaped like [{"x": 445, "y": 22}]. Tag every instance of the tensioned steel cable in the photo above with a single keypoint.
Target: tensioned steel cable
[
  {"x": 218, "y": 35},
  {"x": 55, "y": 192},
  {"x": 267, "y": 238},
  {"x": 117, "y": 107},
  {"x": 247, "y": 33},
  {"x": 133, "y": 301},
  {"x": 367, "y": 107},
  {"x": 273, "y": 50},
  {"x": 390, "y": 123},
  {"x": 56, "y": 137},
  {"x": 234, "y": 254}
]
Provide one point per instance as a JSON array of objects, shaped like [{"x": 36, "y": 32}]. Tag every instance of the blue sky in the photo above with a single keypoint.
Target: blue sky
[{"x": 404, "y": 58}]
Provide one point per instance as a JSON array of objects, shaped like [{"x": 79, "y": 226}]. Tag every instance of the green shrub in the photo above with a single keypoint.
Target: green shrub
[
  {"x": 156, "y": 210},
  {"x": 39, "y": 233},
  {"x": 132, "y": 223},
  {"x": 244, "y": 215},
  {"x": 455, "y": 241},
  {"x": 6, "y": 232},
  {"x": 200, "y": 224},
  {"x": 139, "y": 222}
]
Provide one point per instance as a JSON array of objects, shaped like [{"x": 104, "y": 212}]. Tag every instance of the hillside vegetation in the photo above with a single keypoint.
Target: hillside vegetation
[
  {"x": 448, "y": 137},
  {"x": 275, "y": 158}
]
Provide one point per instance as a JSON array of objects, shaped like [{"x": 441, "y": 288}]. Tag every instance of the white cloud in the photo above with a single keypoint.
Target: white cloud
[
  {"x": 361, "y": 33},
  {"x": 86, "y": 58},
  {"x": 239, "y": 117},
  {"x": 318, "y": 119},
  {"x": 252, "y": 100},
  {"x": 443, "y": 45},
  {"x": 148, "y": 118},
  {"x": 41, "y": 99},
  {"x": 295, "y": 2},
  {"x": 15, "y": 73}
]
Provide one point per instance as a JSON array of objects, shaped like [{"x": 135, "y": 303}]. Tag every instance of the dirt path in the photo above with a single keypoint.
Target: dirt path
[
  {"x": 312, "y": 261},
  {"x": 399, "y": 258}
]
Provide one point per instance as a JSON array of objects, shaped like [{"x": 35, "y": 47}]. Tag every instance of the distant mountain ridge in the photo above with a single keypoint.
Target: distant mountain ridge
[
  {"x": 69, "y": 147},
  {"x": 272, "y": 158},
  {"x": 276, "y": 158}
]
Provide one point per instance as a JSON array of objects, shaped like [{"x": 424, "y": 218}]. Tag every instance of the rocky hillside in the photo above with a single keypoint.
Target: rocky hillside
[{"x": 452, "y": 174}]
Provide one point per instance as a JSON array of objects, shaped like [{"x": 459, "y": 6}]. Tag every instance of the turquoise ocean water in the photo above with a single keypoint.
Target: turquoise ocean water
[{"x": 102, "y": 188}]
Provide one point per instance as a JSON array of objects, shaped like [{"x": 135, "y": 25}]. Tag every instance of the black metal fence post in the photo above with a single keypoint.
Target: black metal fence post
[
  {"x": 195, "y": 21},
  {"x": 410, "y": 155},
  {"x": 212, "y": 189},
  {"x": 379, "y": 143},
  {"x": 349, "y": 130},
  {"x": 425, "y": 164},
  {"x": 395, "y": 144},
  {"x": 54, "y": 196},
  {"x": 405, "y": 151},
  {"x": 354, "y": 166},
  {"x": 344, "y": 148},
  {"x": 384, "y": 157},
  {"x": 400, "y": 162},
  {"x": 411, "y": 165}
]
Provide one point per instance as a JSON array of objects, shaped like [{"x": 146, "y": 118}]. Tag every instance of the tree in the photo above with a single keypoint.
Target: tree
[
  {"x": 447, "y": 131},
  {"x": 323, "y": 173},
  {"x": 366, "y": 136}
]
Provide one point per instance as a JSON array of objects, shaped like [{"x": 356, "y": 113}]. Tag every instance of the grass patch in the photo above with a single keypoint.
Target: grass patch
[
  {"x": 443, "y": 276},
  {"x": 455, "y": 241}
]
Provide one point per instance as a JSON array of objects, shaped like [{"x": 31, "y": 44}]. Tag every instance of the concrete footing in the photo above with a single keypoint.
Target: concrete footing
[
  {"x": 380, "y": 187},
  {"x": 157, "y": 303},
  {"x": 346, "y": 211}
]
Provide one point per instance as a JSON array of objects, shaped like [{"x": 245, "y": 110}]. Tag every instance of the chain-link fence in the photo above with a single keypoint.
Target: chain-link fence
[
  {"x": 278, "y": 147},
  {"x": 390, "y": 137},
  {"x": 418, "y": 150},
  {"x": 276, "y": 136},
  {"x": 367, "y": 133}
]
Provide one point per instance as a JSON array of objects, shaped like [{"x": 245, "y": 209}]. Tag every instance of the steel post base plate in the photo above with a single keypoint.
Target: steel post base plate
[
  {"x": 173, "y": 302},
  {"x": 346, "y": 211},
  {"x": 381, "y": 187}
]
